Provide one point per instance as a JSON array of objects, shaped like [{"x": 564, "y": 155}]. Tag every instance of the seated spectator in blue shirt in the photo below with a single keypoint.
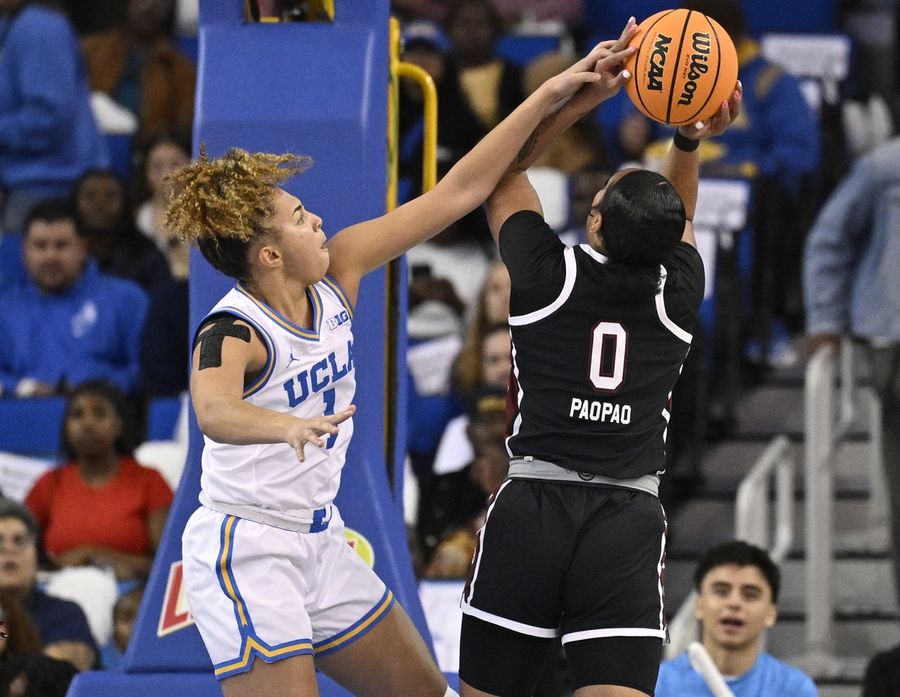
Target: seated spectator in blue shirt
[
  {"x": 737, "y": 586},
  {"x": 62, "y": 625},
  {"x": 47, "y": 131},
  {"x": 68, "y": 322}
]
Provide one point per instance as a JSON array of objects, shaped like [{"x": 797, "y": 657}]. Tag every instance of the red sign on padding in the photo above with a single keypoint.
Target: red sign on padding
[{"x": 175, "y": 613}]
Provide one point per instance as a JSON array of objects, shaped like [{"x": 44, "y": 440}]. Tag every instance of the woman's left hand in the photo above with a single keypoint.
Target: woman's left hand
[{"x": 716, "y": 125}]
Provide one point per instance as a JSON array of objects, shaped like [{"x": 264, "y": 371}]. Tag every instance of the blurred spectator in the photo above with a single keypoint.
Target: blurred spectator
[
  {"x": 138, "y": 64},
  {"x": 883, "y": 674},
  {"x": 36, "y": 675},
  {"x": 164, "y": 351},
  {"x": 104, "y": 218},
  {"x": 461, "y": 254},
  {"x": 461, "y": 249},
  {"x": 61, "y": 624},
  {"x": 434, "y": 326},
  {"x": 411, "y": 10},
  {"x": 737, "y": 601},
  {"x": 164, "y": 343},
  {"x": 579, "y": 147},
  {"x": 852, "y": 288},
  {"x": 445, "y": 489},
  {"x": 583, "y": 184},
  {"x": 776, "y": 134},
  {"x": 627, "y": 134},
  {"x": 47, "y": 132},
  {"x": 450, "y": 491},
  {"x": 444, "y": 493},
  {"x": 68, "y": 322},
  {"x": 492, "y": 86},
  {"x": 124, "y": 615},
  {"x": 492, "y": 310},
  {"x": 101, "y": 507},
  {"x": 489, "y": 466},
  {"x": 18, "y": 634},
  {"x": 425, "y": 45},
  {"x": 513, "y": 12},
  {"x": 90, "y": 16},
  {"x": 161, "y": 153}
]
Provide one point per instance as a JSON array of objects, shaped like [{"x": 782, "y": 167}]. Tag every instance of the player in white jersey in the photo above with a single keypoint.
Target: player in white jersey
[{"x": 266, "y": 570}]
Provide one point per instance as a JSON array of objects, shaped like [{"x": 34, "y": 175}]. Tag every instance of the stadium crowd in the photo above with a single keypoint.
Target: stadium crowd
[{"x": 96, "y": 105}]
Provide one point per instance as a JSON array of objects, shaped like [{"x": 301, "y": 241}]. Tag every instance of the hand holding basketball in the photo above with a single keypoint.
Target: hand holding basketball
[
  {"x": 716, "y": 125},
  {"x": 685, "y": 67}
]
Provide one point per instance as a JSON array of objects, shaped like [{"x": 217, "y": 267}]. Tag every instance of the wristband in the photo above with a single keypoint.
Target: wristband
[{"x": 684, "y": 144}]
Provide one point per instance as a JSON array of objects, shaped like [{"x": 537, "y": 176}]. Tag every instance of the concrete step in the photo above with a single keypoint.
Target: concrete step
[
  {"x": 779, "y": 408},
  {"x": 726, "y": 464},
  {"x": 702, "y": 523},
  {"x": 839, "y": 690},
  {"x": 852, "y": 636}
]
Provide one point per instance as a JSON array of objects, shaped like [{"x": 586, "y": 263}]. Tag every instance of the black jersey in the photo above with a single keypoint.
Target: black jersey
[{"x": 591, "y": 378}]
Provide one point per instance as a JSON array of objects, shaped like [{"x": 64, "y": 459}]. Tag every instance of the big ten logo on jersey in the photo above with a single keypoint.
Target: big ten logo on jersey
[
  {"x": 320, "y": 376},
  {"x": 340, "y": 318}
]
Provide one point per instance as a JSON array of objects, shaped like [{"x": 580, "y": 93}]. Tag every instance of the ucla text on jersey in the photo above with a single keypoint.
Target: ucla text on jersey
[{"x": 324, "y": 373}]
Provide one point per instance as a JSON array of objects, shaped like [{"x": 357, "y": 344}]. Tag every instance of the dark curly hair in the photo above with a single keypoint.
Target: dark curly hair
[{"x": 222, "y": 205}]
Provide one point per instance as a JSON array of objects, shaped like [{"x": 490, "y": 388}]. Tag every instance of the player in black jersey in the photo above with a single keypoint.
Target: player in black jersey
[{"x": 574, "y": 540}]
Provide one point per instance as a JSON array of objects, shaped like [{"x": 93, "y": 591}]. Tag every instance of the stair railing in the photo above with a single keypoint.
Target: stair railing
[{"x": 752, "y": 522}]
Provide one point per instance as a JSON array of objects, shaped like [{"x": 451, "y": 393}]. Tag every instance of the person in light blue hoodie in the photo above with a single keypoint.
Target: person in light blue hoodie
[
  {"x": 737, "y": 588},
  {"x": 48, "y": 135},
  {"x": 852, "y": 288}
]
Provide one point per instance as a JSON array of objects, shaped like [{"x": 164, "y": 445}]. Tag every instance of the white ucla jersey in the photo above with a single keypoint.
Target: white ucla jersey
[{"x": 309, "y": 373}]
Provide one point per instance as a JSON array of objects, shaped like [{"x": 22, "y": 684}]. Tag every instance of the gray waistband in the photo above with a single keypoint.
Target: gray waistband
[
  {"x": 306, "y": 520},
  {"x": 530, "y": 468}
]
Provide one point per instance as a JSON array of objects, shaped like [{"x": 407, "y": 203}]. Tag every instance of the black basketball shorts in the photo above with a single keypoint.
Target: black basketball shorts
[{"x": 570, "y": 560}]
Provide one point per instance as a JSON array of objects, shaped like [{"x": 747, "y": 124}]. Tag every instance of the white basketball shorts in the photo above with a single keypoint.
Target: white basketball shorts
[{"x": 259, "y": 591}]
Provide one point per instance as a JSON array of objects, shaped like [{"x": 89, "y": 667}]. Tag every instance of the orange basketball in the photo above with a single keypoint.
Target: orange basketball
[{"x": 684, "y": 67}]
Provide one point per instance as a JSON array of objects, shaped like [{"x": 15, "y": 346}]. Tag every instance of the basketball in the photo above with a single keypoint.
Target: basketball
[{"x": 684, "y": 67}]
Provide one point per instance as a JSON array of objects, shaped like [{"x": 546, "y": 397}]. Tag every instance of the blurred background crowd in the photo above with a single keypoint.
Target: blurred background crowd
[{"x": 96, "y": 106}]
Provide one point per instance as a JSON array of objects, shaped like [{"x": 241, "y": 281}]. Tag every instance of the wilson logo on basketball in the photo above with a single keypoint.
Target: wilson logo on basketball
[
  {"x": 699, "y": 66},
  {"x": 657, "y": 64}
]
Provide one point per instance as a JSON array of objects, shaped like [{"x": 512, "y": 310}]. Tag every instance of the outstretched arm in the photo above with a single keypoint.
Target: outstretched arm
[
  {"x": 682, "y": 163},
  {"x": 514, "y": 191},
  {"x": 610, "y": 67},
  {"x": 363, "y": 247}
]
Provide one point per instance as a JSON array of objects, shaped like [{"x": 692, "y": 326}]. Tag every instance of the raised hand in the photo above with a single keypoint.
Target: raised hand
[
  {"x": 609, "y": 59},
  {"x": 716, "y": 125},
  {"x": 311, "y": 430},
  {"x": 601, "y": 71}
]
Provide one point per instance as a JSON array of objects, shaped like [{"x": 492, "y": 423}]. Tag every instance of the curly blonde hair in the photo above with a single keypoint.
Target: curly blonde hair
[{"x": 222, "y": 205}]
